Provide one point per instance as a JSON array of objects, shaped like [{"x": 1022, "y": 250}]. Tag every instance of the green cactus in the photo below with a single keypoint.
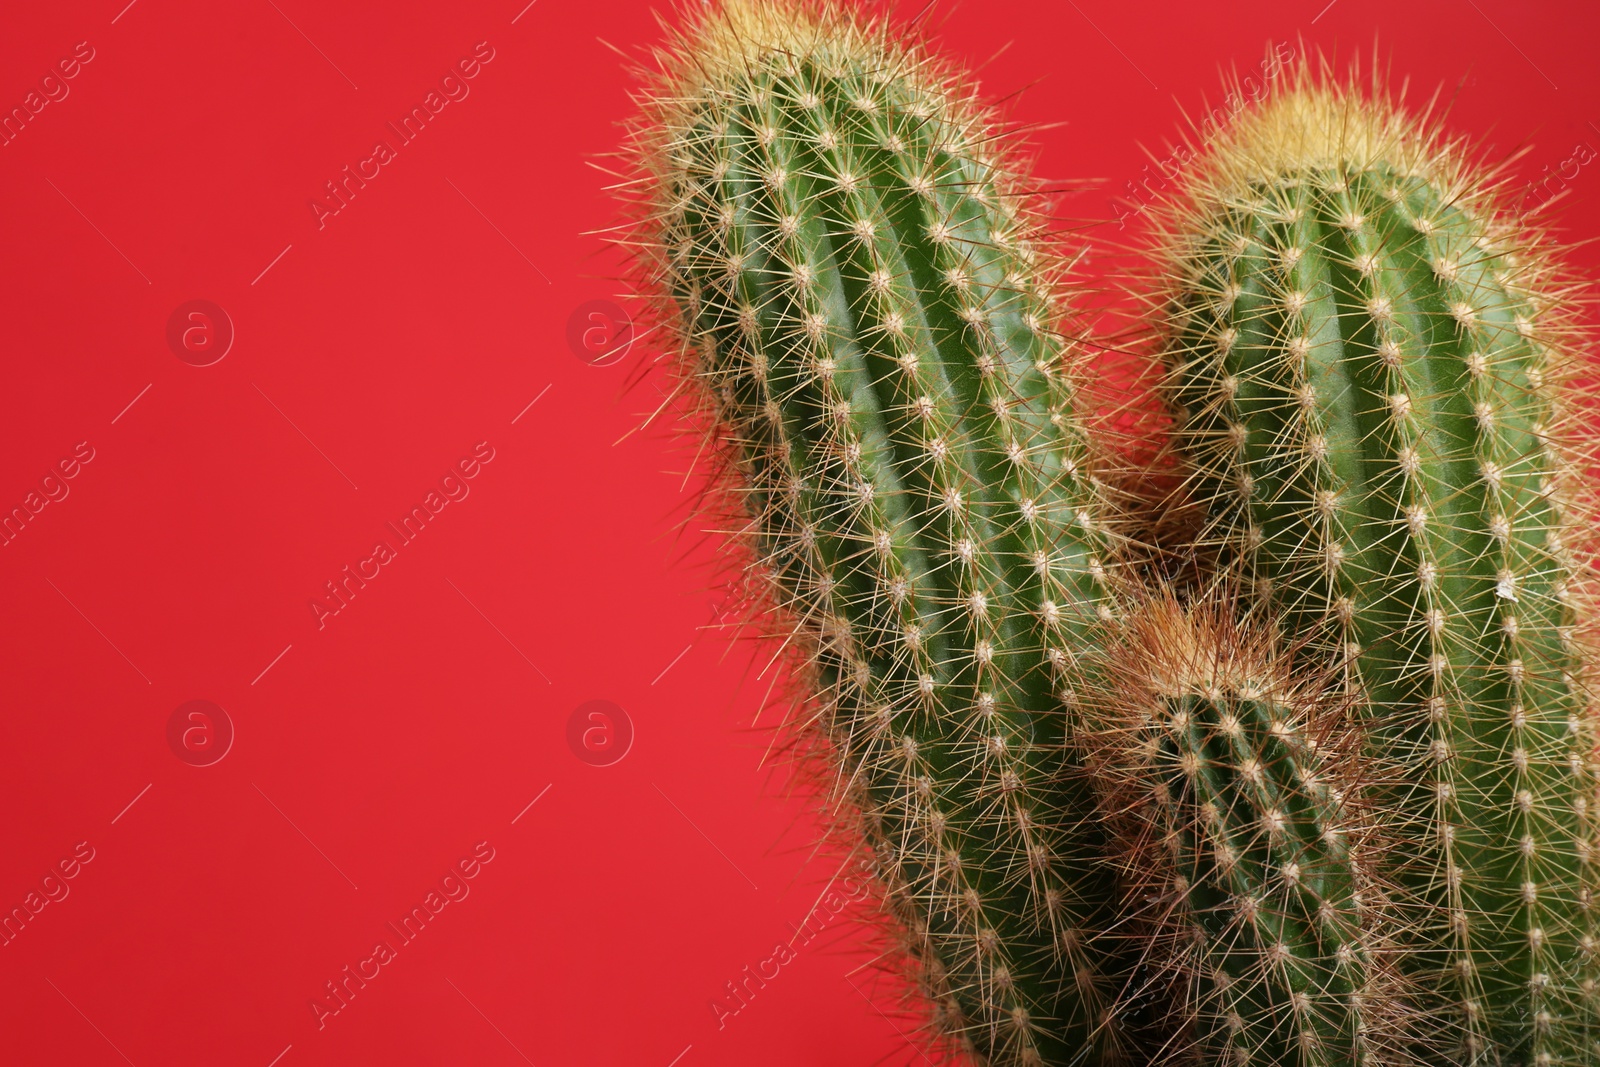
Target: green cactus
[
  {"x": 860, "y": 295},
  {"x": 1371, "y": 379},
  {"x": 1350, "y": 822},
  {"x": 1247, "y": 844}
]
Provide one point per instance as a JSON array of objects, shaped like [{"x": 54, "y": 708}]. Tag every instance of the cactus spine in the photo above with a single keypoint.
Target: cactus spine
[
  {"x": 860, "y": 299},
  {"x": 1241, "y": 817},
  {"x": 1369, "y": 374}
]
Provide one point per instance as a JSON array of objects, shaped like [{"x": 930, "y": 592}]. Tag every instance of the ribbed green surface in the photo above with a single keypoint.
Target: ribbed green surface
[
  {"x": 1254, "y": 818},
  {"x": 1366, "y": 408},
  {"x": 870, "y": 321}
]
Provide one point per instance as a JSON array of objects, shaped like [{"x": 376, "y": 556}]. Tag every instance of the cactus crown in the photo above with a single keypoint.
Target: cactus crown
[
  {"x": 729, "y": 49},
  {"x": 1315, "y": 122}
]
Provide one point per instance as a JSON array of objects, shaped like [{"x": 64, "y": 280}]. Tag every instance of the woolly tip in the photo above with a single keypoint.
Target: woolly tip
[
  {"x": 1171, "y": 650},
  {"x": 722, "y": 41},
  {"x": 1168, "y": 649},
  {"x": 1314, "y": 120}
]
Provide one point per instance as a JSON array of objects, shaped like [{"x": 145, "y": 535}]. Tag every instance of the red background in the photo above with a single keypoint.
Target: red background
[{"x": 377, "y": 751}]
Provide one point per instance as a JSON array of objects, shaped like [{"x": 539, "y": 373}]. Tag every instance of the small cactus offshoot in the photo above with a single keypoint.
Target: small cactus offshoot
[{"x": 1247, "y": 843}]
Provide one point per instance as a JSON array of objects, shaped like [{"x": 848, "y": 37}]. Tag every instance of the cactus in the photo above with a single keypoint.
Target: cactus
[
  {"x": 1372, "y": 375},
  {"x": 859, "y": 294},
  {"x": 1340, "y": 805},
  {"x": 1239, "y": 808}
]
